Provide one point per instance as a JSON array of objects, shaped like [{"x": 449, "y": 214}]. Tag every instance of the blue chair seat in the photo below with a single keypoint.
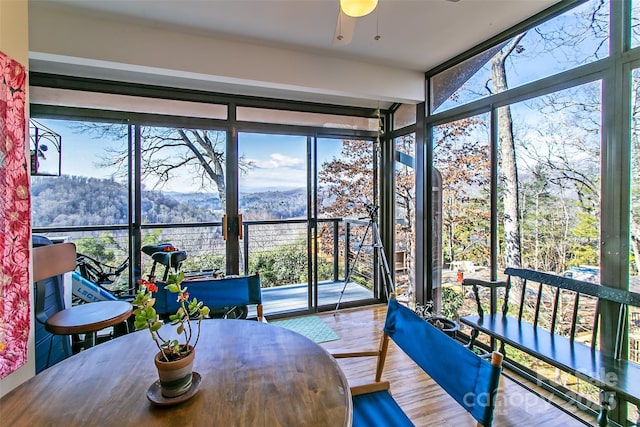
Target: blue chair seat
[{"x": 378, "y": 410}]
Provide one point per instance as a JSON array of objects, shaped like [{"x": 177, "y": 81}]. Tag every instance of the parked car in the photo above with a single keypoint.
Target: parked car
[{"x": 586, "y": 274}]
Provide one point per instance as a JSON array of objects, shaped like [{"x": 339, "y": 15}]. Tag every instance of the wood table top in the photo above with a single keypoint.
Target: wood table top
[{"x": 253, "y": 374}]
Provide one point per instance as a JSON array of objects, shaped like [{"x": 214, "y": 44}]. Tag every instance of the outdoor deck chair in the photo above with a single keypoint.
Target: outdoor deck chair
[
  {"x": 470, "y": 379},
  {"x": 224, "y": 294}
]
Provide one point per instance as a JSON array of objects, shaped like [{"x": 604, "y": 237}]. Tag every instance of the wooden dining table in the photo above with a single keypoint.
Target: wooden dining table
[{"x": 252, "y": 374}]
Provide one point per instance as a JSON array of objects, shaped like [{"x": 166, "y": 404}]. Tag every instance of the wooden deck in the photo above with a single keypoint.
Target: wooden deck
[
  {"x": 423, "y": 400},
  {"x": 282, "y": 299}
]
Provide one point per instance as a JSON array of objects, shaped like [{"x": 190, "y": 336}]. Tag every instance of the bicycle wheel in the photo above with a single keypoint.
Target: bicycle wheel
[{"x": 236, "y": 312}]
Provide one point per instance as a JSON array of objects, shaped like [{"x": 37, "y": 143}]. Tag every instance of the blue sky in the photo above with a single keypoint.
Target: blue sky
[{"x": 278, "y": 161}]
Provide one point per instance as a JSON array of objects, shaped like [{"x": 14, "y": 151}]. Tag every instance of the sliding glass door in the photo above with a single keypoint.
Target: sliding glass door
[
  {"x": 344, "y": 252},
  {"x": 273, "y": 201}
]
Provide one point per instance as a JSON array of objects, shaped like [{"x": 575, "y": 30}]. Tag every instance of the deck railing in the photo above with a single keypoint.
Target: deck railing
[{"x": 277, "y": 248}]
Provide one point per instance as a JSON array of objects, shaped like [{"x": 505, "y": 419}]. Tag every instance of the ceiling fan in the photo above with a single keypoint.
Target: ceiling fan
[
  {"x": 346, "y": 23},
  {"x": 350, "y": 10}
]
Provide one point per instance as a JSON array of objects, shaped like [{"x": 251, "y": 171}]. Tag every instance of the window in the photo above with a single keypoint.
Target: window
[
  {"x": 577, "y": 37},
  {"x": 556, "y": 143},
  {"x": 462, "y": 157},
  {"x": 405, "y": 214}
]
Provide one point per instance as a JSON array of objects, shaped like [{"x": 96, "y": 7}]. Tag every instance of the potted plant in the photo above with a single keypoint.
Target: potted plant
[
  {"x": 174, "y": 359},
  {"x": 446, "y": 325}
]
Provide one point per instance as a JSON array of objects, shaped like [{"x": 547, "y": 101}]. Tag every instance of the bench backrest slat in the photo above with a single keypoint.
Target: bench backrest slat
[
  {"x": 538, "y": 301},
  {"x": 596, "y": 325},
  {"x": 574, "y": 316},
  {"x": 622, "y": 319},
  {"x": 522, "y": 296},
  {"x": 579, "y": 288},
  {"x": 554, "y": 315}
]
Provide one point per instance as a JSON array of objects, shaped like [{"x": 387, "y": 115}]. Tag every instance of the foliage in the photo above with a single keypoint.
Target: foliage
[
  {"x": 451, "y": 303},
  {"x": 287, "y": 264},
  {"x": 147, "y": 318},
  {"x": 98, "y": 247},
  {"x": 462, "y": 160},
  {"x": 347, "y": 181},
  {"x": 584, "y": 250},
  {"x": 206, "y": 261}
]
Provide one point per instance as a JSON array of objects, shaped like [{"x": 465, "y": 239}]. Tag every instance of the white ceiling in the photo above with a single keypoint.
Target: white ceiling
[{"x": 415, "y": 35}]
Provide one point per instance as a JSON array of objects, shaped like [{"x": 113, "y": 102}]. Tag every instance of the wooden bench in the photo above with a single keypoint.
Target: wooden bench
[{"x": 554, "y": 335}]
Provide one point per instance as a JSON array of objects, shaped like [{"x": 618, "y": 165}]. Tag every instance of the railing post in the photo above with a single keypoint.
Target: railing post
[
  {"x": 347, "y": 240},
  {"x": 336, "y": 248},
  {"x": 245, "y": 244}
]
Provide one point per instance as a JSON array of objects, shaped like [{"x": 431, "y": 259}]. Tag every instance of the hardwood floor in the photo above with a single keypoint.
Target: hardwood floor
[{"x": 423, "y": 400}]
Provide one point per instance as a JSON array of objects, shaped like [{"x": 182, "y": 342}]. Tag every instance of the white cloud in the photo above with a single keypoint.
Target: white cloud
[{"x": 277, "y": 160}]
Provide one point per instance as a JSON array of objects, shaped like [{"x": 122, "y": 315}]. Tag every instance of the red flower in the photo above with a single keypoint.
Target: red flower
[{"x": 149, "y": 284}]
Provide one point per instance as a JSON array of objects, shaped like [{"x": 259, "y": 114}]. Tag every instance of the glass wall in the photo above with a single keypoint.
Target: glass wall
[
  {"x": 177, "y": 171},
  {"x": 556, "y": 100},
  {"x": 405, "y": 217},
  {"x": 577, "y": 37},
  {"x": 183, "y": 182},
  {"x": 92, "y": 190},
  {"x": 273, "y": 203},
  {"x": 634, "y": 241},
  {"x": 556, "y": 142},
  {"x": 345, "y": 191},
  {"x": 461, "y": 155}
]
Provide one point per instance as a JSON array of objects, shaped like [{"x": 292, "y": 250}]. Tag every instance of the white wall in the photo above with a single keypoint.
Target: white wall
[
  {"x": 62, "y": 40},
  {"x": 14, "y": 41}
]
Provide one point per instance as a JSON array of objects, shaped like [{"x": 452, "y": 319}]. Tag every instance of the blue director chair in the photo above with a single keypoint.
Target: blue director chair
[
  {"x": 220, "y": 295},
  {"x": 470, "y": 379}
]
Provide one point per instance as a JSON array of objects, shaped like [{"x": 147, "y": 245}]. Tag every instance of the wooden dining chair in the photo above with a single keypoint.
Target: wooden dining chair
[
  {"x": 49, "y": 299},
  {"x": 52, "y": 260},
  {"x": 471, "y": 380}
]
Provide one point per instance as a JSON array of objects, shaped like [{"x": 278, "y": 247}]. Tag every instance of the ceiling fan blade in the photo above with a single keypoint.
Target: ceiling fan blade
[{"x": 345, "y": 26}]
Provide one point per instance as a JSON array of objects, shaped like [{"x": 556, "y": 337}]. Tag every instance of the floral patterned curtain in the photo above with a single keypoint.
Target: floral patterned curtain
[{"x": 15, "y": 218}]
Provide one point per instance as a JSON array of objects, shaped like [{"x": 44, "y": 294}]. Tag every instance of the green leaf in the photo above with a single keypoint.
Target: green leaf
[{"x": 140, "y": 325}]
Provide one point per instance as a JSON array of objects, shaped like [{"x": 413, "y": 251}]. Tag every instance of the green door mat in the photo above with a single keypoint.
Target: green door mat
[{"x": 311, "y": 327}]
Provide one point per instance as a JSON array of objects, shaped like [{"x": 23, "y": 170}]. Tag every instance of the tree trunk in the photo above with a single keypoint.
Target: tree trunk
[{"x": 507, "y": 161}]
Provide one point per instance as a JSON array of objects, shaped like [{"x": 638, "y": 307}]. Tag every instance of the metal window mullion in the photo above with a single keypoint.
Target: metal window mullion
[{"x": 494, "y": 220}]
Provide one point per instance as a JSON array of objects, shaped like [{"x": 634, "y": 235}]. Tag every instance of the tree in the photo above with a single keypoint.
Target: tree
[
  {"x": 635, "y": 169},
  {"x": 346, "y": 183},
  {"x": 507, "y": 155},
  {"x": 461, "y": 155},
  {"x": 168, "y": 151}
]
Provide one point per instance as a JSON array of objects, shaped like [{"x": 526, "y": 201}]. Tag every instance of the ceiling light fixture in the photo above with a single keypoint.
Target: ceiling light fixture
[{"x": 358, "y": 8}]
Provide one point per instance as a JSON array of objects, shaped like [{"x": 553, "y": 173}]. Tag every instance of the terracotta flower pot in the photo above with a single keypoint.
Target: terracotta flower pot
[{"x": 175, "y": 376}]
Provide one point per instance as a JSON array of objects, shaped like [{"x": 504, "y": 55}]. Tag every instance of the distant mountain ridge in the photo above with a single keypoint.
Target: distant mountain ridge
[{"x": 81, "y": 201}]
